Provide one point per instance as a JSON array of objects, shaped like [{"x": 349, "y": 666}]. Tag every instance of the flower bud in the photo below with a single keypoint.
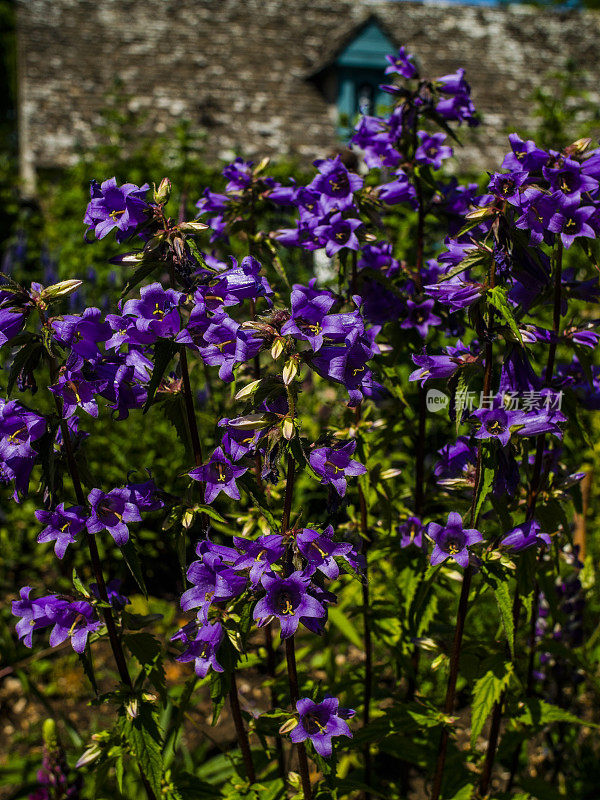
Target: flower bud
[
  {"x": 162, "y": 194},
  {"x": 288, "y": 428},
  {"x": 290, "y": 370},
  {"x": 59, "y": 290},
  {"x": 247, "y": 391},
  {"x": 192, "y": 227},
  {"x": 277, "y": 349},
  {"x": 90, "y": 755},
  {"x": 288, "y": 726},
  {"x": 133, "y": 708}
]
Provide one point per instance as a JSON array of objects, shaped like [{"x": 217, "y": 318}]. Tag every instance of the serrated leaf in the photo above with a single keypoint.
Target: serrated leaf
[
  {"x": 120, "y": 771},
  {"x": 147, "y": 650},
  {"x": 485, "y": 482},
  {"x": 27, "y": 356},
  {"x": 174, "y": 410},
  {"x": 538, "y": 714},
  {"x": 496, "y": 297},
  {"x": 88, "y": 667},
  {"x": 487, "y": 691},
  {"x": 261, "y": 506},
  {"x": 498, "y": 581},
  {"x": 210, "y": 512},
  {"x": 145, "y": 745}
]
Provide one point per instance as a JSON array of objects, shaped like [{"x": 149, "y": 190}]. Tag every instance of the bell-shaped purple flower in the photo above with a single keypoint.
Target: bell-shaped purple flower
[
  {"x": 526, "y": 535},
  {"x": 339, "y": 233},
  {"x": 401, "y": 64},
  {"x": 320, "y": 722},
  {"x": 452, "y": 540},
  {"x": 76, "y": 392},
  {"x": 320, "y": 551},
  {"x": 258, "y": 556},
  {"x": 213, "y": 581},
  {"x": 289, "y": 600},
  {"x": 432, "y": 150},
  {"x": 219, "y": 475},
  {"x": 203, "y": 644},
  {"x": 121, "y": 207},
  {"x": 335, "y": 184},
  {"x": 420, "y": 317},
  {"x": 411, "y": 532},
  {"x": 63, "y": 526},
  {"x": 334, "y": 464},
  {"x": 82, "y": 333},
  {"x": 112, "y": 512},
  {"x": 155, "y": 313}
]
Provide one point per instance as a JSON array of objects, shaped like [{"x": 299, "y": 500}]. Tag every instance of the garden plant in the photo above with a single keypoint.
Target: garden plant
[{"x": 367, "y": 512}]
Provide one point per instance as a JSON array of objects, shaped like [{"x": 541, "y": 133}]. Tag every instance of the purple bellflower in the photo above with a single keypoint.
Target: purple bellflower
[
  {"x": 401, "y": 64},
  {"x": 112, "y": 512},
  {"x": 335, "y": 184},
  {"x": 320, "y": 722},
  {"x": 289, "y": 600},
  {"x": 526, "y": 535},
  {"x": 111, "y": 206},
  {"x": 219, "y": 475},
  {"x": 320, "y": 551},
  {"x": 258, "y": 556},
  {"x": 334, "y": 464},
  {"x": 452, "y": 540},
  {"x": 63, "y": 525},
  {"x": 411, "y": 532},
  {"x": 202, "y": 646},
  {"x": 213, "y": 581}
]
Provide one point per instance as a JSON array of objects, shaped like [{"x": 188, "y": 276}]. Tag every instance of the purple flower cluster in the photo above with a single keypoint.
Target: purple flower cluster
[
  {"x": 257, "y": 567},
  {"x": 68, "y": 618}
]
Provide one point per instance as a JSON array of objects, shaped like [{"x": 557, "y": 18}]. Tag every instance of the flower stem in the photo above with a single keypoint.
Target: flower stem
[
  {"x": 242, "y": 736},
  {"x": 189, "y": 407},
  {"x": 290, "y": 648},
  {"x": 111, "y": 628},
  {"x": 290, "y": 654},
  {"x": 534, "y": 490},
  {"x": 463, "y": 603}
]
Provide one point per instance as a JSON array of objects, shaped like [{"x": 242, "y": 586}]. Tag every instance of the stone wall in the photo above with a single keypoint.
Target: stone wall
[{"x": 238, "y": 69}]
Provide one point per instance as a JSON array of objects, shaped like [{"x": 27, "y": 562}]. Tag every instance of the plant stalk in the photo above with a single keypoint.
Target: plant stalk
[
  {"x": 463, "y": 603},
  {"x": 242, "y": 736},
  {"x": 534, "y": 491}
]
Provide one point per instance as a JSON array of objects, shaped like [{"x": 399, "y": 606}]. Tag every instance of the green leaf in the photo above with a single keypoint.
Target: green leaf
[
  {"x": 221, "y": 681},
  {"x": 147, "y": 650},
  {"x": 487, "y": 691},
  {"x": 144, "y": 741},
  {"x": 496, "y": 297},
  {"x": 497, "y": 579},
  {"x": 173, "y": 408},
  {"x": 486, "y": 481},
  {"x": 119, "y": 771},
  {"x": 344, "y": 625},
  {"x": 538, "y": 714},
  {"x": 132, "y": 559},
  {"x": 164, "y": 350},
  {"x": 210, "y": 512}
]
